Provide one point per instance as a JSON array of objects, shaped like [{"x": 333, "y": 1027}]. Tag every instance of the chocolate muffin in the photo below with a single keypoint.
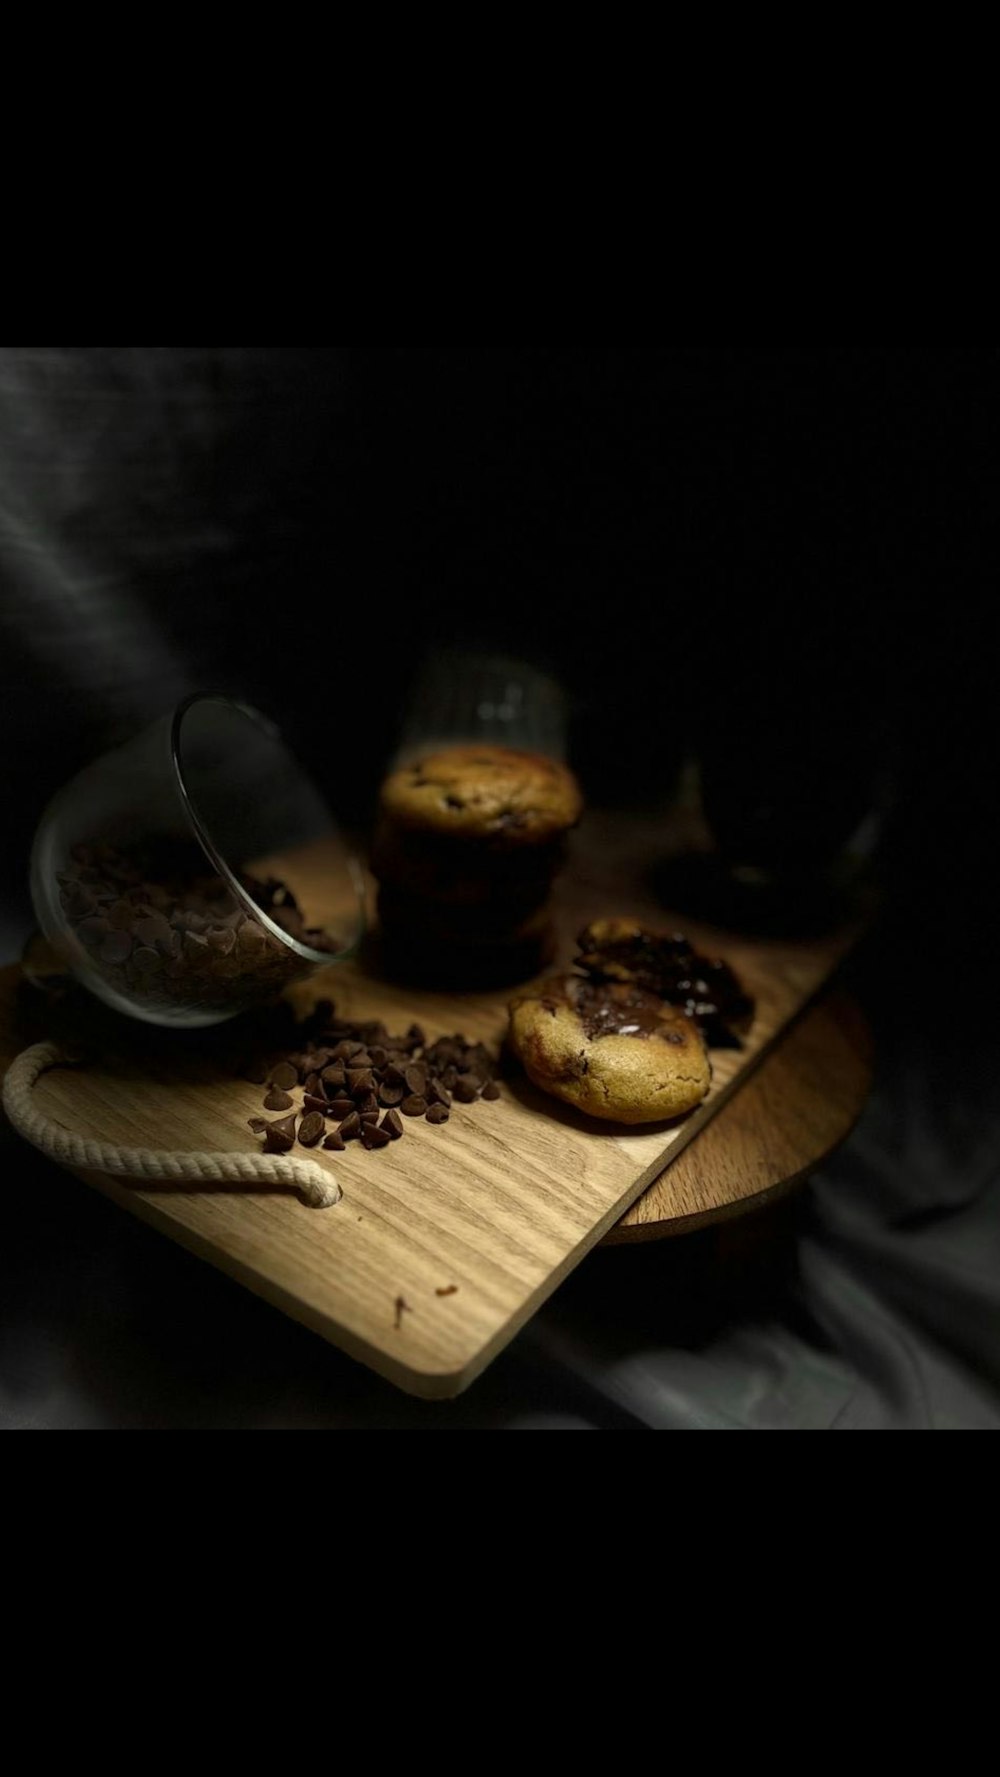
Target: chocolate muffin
[{"x": 468, "y": 841}]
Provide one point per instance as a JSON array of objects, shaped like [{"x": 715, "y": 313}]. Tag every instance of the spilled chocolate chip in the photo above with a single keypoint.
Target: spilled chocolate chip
[
  {"x": 280, "y": 1137},
  {"x": 310, "y": 1129},
  {"x": 369, "y": 1081},
  {"x": 392, "y": 1123},
  {"x": 277, "y": 1100},
  {"x": 335, "y": 1142}
]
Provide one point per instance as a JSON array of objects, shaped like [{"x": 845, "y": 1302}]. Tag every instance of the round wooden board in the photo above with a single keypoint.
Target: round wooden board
[{"x": 797, "y": 1106}]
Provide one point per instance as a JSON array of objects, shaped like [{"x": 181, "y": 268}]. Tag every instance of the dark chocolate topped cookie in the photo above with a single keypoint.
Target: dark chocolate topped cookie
[
  {"x": 667, "y": 964},
  {"x": 610, "y": 1049}
]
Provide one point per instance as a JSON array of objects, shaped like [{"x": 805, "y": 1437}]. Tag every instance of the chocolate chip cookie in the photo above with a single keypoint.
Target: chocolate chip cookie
[
  {"x": 481, "y": 791},
  {"x": 468, "y": 841},
  {"x": 610, "y": 1049}
]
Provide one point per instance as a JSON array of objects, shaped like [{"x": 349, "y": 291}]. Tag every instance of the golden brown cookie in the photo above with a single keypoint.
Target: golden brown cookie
[
  {"x": 483, "y": 791},
  {"x": 610, "y": 1049}
]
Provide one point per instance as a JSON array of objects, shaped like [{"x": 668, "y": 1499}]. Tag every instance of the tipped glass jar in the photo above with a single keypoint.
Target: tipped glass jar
[{"x": 195, "y": 871}]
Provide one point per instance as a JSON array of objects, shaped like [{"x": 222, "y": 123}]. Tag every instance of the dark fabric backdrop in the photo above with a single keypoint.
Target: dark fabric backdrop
[
  {"x": 790, "y": 547},
  {"x": 781, "y": 557}
]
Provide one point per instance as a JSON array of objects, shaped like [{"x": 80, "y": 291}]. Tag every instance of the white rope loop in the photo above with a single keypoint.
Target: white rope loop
[{"x": 315, "y": 1186}]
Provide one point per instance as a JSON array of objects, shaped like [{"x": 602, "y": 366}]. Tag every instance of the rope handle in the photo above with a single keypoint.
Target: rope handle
[{"x": 314, "y": 1185}]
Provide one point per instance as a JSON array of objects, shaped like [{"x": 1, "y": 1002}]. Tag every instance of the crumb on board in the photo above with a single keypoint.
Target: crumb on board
[
  {"x": 402, "y": 1307},
  {"x": 452, "y": 1290}
]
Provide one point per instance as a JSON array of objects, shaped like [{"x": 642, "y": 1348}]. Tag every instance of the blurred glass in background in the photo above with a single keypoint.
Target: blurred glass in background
[{"x": 460, "y": 695}]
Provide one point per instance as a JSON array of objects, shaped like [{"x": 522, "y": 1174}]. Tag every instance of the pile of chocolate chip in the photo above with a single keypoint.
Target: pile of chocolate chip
[
  {"x": 157, "y": 926},
  {"x": 359, "y": 1078}
]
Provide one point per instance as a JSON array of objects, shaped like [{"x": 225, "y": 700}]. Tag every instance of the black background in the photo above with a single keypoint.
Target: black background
[
  {"x": 783, "y": 557},
  {"x": 780, "y": 558}
]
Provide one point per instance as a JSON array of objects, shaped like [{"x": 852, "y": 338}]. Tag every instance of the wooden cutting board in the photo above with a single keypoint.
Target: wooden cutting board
[{"x": 445, "y": 1243}]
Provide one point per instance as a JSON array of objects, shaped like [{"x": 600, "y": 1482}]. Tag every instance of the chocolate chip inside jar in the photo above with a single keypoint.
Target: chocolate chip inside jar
[
  {"x": 159, "y": 927},
  {"x": 668, "y": 966}
]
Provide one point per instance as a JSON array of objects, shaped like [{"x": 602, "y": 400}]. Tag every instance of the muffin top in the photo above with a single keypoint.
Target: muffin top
[{"x": 484, "y": 792}]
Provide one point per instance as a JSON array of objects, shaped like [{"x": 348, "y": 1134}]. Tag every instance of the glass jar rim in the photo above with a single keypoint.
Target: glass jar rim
[{"x": 215, "y": 856}]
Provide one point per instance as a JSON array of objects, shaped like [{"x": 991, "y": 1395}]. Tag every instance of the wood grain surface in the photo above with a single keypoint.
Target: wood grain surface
[
  {"x": 494, "y": 1208},
  {"x": 793, "y": 1111}
]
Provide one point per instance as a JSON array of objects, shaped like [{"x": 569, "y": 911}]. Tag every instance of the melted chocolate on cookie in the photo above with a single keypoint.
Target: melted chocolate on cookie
[
  {"x": 613, "y": 1009},
  {"x": 670, "y": 968}
]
